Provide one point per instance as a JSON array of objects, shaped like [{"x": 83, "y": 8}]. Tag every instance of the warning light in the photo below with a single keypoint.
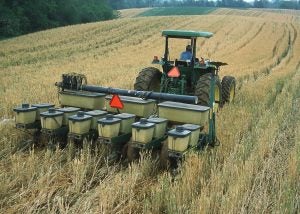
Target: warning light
[
  {"x": 116, "y": 102},
  {"x": 174, "y": 72}
]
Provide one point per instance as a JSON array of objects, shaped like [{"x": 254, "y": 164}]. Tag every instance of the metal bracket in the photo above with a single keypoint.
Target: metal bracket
[{"x": 34, "y": 125}]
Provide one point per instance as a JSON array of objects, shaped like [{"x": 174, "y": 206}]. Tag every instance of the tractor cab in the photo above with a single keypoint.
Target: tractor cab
[
  {"x": 180, "y": 64},
  {"x": 190, "y": 38}
]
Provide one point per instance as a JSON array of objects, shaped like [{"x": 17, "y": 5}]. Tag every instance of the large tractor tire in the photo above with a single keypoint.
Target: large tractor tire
[
  {"x": 148, "y": 80},
  {"x": 202, "y": 91},
  {"x": 228, "y": 89}
]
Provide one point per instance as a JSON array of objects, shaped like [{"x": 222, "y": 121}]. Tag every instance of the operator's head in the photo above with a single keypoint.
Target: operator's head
[{"x": 188, "y": 48}]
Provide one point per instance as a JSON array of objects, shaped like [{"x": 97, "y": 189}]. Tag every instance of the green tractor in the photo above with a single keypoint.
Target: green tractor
[
  {"x": 170, "y": 112},
  {"x": 187, "y": 76}
]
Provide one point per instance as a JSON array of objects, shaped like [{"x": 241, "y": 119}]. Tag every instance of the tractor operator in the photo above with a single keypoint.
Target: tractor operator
[{"x": 187, "y": 54}]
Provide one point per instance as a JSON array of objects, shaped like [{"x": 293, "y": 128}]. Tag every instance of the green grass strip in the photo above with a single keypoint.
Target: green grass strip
[{"x": 171, "y": 11}]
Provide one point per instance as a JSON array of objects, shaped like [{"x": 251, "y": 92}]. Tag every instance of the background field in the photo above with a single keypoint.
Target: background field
[
  {"x": 256, "y": 168},
  {"x": 172, "y": 11}
]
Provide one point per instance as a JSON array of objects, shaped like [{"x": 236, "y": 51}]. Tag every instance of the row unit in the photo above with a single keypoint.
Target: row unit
[
  {"x": 173, "y": 111},
  {"x": 108, "y": 125}
]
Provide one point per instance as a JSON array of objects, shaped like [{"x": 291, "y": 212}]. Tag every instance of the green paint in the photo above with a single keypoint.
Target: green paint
[
  {"x": 173, "y": 11},
  {"x": 186, "y": 34},
  {"x": 190, "y": 73}
]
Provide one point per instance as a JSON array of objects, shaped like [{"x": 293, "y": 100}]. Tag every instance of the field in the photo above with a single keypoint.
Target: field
[
  {"x": 173, "y": 11},
  {"x": 256, "y": 168}
]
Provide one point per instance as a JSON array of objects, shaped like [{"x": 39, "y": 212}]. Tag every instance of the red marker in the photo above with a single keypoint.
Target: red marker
[
  {"x": 174, "y": 72},
  {"x": 116, "y": 102}
]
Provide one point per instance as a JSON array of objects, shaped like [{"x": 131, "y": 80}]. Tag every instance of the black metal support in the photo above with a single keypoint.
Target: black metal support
[
  {"x": 34, "y": 125},
  {"x": 60, "y": 132},
  {"x": 142, "y": 94},
  {"x": 166, "y": 55},
  {"x": 89, "y": 136},
  {"x": 121, "y": 139},
  {"x": 154, "y": 144}
]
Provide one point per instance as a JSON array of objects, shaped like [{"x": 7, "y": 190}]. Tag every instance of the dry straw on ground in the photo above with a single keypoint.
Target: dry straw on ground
[{"x": 255, "y": 169}]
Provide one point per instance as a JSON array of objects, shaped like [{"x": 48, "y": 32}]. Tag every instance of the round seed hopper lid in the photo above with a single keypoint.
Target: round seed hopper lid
[
  {"x": 109, "y": 120},
  {"x": 191, "y": 127},
  {"x": 51, "y": 113},
  {"x": 68, "y": 109},
  {"x": 157, "y": 120},
  {"x": 25, "y": 107},
  {"x": 143, "y": 124},
  {"x": 96, "y": 113},
  {"x": 125, "y": 116},
  {"x": 179, "y": 131},
  {"x": 43, "y": 105},
  {"x": 80, "y": 116}
]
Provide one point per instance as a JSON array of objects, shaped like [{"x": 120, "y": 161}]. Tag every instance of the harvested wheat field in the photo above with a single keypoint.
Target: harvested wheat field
[{"x": 256, "y": 168}]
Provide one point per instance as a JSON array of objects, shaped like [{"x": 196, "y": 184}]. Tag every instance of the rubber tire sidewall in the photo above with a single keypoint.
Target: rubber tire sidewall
[
  {"x": 202, "y": 90},
  {"x": 227, "y": 82},
  {"x": 146, "y": 78}
]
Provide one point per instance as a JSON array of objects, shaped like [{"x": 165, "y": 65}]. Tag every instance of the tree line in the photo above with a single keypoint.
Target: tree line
[
  {"x": 24, "y": 16},
  {"x": 19, "y": 17}
]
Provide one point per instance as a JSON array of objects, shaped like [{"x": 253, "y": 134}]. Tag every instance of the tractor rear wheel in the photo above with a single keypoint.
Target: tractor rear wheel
[
  {"x": 228, "y": 89},
  {"x": 202, "y": 91},
  {"x": 148, "y": 80}
]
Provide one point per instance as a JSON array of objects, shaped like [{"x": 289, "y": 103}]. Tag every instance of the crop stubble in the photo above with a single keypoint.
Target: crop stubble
[{"x": 256, "y": 167}]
